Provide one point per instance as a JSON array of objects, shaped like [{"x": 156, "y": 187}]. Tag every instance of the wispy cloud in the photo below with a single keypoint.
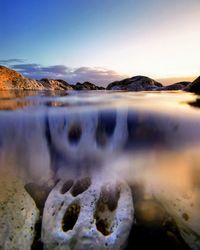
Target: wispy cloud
[
  {"x": 99, "y": 76},
  {"x": 11, "y": 61}
]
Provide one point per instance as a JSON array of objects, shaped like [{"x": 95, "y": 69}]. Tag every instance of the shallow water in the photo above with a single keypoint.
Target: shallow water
[{"x": 150, "y": 141}]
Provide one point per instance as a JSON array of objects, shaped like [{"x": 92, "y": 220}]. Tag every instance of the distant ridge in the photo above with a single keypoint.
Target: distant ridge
[
  {"x": 136, "y": 83},
  {"x": 10, "y": 79}
]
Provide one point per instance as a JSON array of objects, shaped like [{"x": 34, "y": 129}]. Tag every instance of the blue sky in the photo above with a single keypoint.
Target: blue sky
[{"x": 101, "y": 40}]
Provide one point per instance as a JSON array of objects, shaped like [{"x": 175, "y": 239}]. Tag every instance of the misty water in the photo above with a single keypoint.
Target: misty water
[{"x": 148, "y": 141}]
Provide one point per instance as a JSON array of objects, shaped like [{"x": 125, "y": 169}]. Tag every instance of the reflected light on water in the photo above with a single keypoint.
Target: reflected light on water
[{"x": 147, "y": 139}]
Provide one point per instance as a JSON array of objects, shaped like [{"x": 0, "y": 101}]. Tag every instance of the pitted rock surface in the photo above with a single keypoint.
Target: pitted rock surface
[
  {"x": 18, "y": 215},
  {"x": 98, "y": 216}
]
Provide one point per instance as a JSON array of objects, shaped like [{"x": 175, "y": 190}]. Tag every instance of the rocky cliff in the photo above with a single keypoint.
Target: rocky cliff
[{"x": 10, "y": 79}]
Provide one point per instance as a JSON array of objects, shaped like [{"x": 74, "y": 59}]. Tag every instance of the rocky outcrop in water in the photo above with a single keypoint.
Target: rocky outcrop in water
[
  {"x": 136, "y": 83},
  {"x": 87, "y": 214},
  {"x": 194, "y": 86}
]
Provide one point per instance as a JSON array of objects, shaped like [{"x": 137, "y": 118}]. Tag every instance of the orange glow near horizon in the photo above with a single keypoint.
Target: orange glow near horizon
[
  {"x": 171, "y": 80},
  {"x": 168, "y": 51}
]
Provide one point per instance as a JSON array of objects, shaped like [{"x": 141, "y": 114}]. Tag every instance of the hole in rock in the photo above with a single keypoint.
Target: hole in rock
[
  {"x": 80, "y": 186},
  {"x": 70, "y": 217},
  {"x": 110, "y": 196},
  {"x": 105, "y": 210},
  {"x": 74, "y": 133},
  {"x": 66, "y": 186},
  {"x": 185, "y": 216}
]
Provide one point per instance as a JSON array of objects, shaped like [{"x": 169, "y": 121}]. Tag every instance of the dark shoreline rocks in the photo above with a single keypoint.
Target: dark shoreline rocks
[
  {"x": 12, "y": 80},
  {"x": 136, "y": 83},
  {"x": 176, "y": 86},
  {"x": 194, "y": 86},
  {"x": 86, "y": 86}
]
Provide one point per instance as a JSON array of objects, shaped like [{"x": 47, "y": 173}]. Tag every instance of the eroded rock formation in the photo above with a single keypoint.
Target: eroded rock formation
[{"x": 87, "y": 214}]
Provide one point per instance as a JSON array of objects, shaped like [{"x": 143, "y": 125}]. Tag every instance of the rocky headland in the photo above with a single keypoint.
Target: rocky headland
[
  {"x": 194, "y": 86},
  {"x": 136, "y": 83},
  {"x": 12, "y": 80}
]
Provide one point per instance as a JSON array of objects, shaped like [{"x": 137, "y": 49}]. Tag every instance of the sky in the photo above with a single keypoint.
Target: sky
[{"x": 101, "y": 40}]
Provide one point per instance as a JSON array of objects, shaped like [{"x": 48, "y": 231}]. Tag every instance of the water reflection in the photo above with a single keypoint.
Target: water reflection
[
  {"x": 148, "y": 141},
  {"x": 195, "y": 103}
]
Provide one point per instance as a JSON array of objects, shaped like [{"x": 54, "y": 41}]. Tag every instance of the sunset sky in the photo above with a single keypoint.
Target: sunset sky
[{"x": 101, "y": 40}]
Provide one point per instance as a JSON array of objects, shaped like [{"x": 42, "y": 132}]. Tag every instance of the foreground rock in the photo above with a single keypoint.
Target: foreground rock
[
  {"x": 181, "y": 201},
  {"x": 136, "y": 83},
  {"x": 18, "y": 215},
  {"x": 194, "y": 86},
  {"x": 87, "y": 215},
  {"x": 154, "y": 228}
]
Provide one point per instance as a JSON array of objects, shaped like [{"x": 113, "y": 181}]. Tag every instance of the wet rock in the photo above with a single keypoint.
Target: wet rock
[
  {"x": 153, "y": 228},
  {"x": 149, "y": 212},
  {"x": 136, "y": 83},
  {"x": 18, "y": 215},
  {"x": 194, "y": 86},
  {"x": 99, "y": 216},
  {"x": 183, "y": 206}
]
